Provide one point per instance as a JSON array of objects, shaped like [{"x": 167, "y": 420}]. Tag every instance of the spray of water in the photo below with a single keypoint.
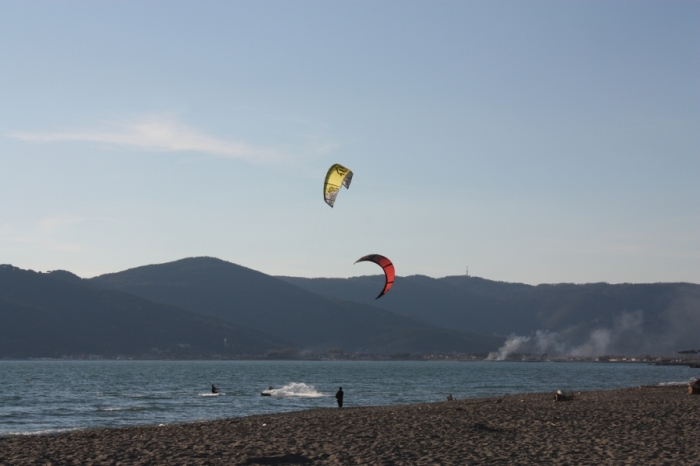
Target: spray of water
[{"x": 296, "y": 389}]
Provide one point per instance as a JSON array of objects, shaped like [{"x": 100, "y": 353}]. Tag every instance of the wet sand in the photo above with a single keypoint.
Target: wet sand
[{"x": 649, "y": 425}]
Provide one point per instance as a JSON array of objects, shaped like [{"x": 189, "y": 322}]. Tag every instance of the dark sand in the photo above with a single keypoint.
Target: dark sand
[{"x": 640, "y": 426}]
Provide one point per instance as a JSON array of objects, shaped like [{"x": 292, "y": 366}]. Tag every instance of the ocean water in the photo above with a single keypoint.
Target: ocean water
[{"x": 55, "y": 396}]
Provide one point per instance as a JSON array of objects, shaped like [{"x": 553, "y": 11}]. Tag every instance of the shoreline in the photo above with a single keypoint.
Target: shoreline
[{"x": 643, "y": 425}]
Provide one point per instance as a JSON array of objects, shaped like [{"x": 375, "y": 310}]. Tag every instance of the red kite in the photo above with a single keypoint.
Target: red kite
[{"x": 388, "y": 267}]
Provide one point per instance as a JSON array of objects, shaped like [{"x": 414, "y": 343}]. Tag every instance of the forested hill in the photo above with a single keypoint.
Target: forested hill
[
  {"x": 58, "y": 314},
  {"x": 201, "y": 307},
  {"x": 634, "y": 318},
  {"x": 313, "y": 322}
]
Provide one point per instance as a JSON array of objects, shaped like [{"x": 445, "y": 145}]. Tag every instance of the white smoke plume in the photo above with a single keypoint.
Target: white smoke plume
[
  {"x": 596, "y": 345},
  {"x": 512, "y": 345},
  {"x": 627, "y": 326}
]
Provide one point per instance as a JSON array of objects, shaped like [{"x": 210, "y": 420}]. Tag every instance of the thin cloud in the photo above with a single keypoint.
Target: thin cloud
[{"x": 161, "y": 135}]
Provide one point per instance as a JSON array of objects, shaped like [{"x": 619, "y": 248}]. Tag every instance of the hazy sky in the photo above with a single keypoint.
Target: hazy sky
[{"x": 533, "y": 141}]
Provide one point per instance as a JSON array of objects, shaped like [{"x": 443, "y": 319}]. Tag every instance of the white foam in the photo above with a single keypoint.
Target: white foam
[
  {"x": 41, "y": 432},
  {"x": 300, "y": 390},
  {"x": 211, "y": 394},
  {"x": 670, "y": 384}
]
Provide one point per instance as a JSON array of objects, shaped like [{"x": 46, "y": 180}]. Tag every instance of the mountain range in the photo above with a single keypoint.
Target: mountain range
[
  {"x": 204, "y": 307},
  {"x": 58, "y": 314},
  {"x": 313, "y": 322},
  {"x": 563, "y": 319},
  {"x": 200, "y": 308}
]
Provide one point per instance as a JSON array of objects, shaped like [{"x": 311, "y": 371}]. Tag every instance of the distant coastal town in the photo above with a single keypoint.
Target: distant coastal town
[{"x": 685, "y": 358}]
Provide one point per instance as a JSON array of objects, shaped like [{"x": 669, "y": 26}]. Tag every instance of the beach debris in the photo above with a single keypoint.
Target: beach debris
[
  {"x": 561, "y": 396},
  {"x": 336, "y": 177},
  {"x": 388, "y": 267},
  {"x": 694, "y": 387}
]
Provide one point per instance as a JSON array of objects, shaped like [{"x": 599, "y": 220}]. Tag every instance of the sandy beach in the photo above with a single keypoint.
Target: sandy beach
[{"x": 648, "y": 425}]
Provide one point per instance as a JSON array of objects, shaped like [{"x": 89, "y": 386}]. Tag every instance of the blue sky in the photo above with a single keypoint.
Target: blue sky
[{"x": 532, "y": 141}]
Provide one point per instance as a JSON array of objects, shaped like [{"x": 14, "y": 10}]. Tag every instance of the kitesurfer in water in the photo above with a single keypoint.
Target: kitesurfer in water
[
  {"x": 339, "y": 397},
  {"x": 214, "y": 389}
]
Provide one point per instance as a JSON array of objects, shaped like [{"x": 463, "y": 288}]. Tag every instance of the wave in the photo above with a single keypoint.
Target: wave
[
  {"x": 296, "y": 389},
  {"x": 39, "y": 432},
  {"x": 670, "y": 384}
]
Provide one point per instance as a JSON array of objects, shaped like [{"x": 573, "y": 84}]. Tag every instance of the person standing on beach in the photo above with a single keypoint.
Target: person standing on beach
[{"x": 339, "y": 397}]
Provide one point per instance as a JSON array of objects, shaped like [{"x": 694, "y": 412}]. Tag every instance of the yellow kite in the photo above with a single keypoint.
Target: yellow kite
[{"x": 336, "y": 177}]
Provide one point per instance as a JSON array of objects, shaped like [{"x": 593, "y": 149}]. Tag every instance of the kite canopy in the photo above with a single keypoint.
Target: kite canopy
[
  {"x": 384, "y": 263},
  {"x": 336, "y": 177}
]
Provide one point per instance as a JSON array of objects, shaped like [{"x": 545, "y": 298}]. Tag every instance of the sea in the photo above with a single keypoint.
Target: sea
[{"x": 47, "y": 397}]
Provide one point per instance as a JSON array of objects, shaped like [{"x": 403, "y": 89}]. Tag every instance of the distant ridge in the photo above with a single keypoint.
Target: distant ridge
[
  {"x": 59, "y": 315},
  {"x": 186, "y": 309},
  {"x": 246, "y": 297},
  {"x": 665, "y": 316}
]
